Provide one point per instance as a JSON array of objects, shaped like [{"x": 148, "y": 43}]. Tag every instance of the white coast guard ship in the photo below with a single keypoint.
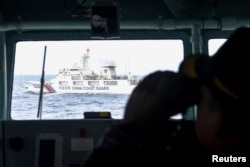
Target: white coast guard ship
[{"x": 84, "y": 80}]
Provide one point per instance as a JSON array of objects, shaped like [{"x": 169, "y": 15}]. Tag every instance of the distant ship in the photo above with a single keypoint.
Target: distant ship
[{"x": 84, "y": 80}]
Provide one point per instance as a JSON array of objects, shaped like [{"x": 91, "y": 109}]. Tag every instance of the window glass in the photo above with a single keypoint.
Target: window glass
[
  {"x": 85, "y": 76},
  {"x": 214, "y": 45}
]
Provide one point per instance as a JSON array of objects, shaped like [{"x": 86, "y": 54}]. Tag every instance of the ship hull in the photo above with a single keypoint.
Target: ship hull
[{"x": 87, "y": 86}]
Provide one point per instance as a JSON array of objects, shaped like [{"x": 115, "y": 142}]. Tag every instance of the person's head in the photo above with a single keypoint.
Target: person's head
[{"x": 224, "y": 86}]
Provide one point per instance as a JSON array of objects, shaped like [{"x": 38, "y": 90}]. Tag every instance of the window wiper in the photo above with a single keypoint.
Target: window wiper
[{"x": 39, "y": 112}]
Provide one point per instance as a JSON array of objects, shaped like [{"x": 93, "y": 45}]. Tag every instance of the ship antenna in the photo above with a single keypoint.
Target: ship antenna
[
  {"x": 85, "y": 61},
  {"x": 39, "y": 112}
]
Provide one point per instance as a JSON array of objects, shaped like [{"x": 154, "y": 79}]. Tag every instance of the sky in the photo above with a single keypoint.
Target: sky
[
  {"x": 139, "y": 57},
  {"x": 214, "y": 44}
]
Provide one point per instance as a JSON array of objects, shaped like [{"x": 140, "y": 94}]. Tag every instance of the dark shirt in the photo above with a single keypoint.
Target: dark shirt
[{"x": 128, "y": 146}]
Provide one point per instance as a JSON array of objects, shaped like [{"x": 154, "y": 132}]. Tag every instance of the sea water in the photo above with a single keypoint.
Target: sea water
[{"x": 24, "y": 104}]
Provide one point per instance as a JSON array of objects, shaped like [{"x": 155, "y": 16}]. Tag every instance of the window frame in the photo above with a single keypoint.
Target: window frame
[{"x": 81, "y": 35}]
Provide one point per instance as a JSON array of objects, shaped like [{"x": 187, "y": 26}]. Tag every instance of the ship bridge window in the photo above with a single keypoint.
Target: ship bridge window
[
  {"x": 93, "y": 83},
  {"x": 76, "y": 77},
  {"x": 74, "y": 69},
  {"x": 66, "y": 96},
  {"x": 110, "y": 83},
  {"x": 63, "y": 83},
  {"x": 78, "y": 83}
]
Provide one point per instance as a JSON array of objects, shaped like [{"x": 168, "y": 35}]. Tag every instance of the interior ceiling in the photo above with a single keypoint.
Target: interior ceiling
[
  {"x": 66, "y": 10},
  {"x": 206, "y": 8}
]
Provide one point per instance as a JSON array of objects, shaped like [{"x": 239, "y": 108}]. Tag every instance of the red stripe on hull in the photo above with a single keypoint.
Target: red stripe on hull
[{"x": 49, "y": 88}]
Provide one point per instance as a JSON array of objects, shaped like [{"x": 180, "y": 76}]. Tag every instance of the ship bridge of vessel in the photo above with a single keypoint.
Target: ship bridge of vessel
[{"x": 108, "y": 72}]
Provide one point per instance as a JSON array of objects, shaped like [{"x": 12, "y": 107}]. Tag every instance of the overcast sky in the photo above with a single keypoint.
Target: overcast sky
[{"x": 138, "y": 57}]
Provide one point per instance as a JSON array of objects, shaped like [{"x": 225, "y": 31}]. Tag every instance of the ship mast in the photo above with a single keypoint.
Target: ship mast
[{"x": 85, "y": 61}]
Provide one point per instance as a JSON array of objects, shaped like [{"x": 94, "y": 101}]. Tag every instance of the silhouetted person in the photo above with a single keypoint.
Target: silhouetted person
[{"x": 219, "y": 87}]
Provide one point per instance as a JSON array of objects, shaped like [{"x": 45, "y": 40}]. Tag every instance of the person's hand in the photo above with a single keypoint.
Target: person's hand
[{"x": 157, "y": 97}]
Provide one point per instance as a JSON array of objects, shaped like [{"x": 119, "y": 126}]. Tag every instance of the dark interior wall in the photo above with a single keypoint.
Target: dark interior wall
[{"x": 58, "y": 10}]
